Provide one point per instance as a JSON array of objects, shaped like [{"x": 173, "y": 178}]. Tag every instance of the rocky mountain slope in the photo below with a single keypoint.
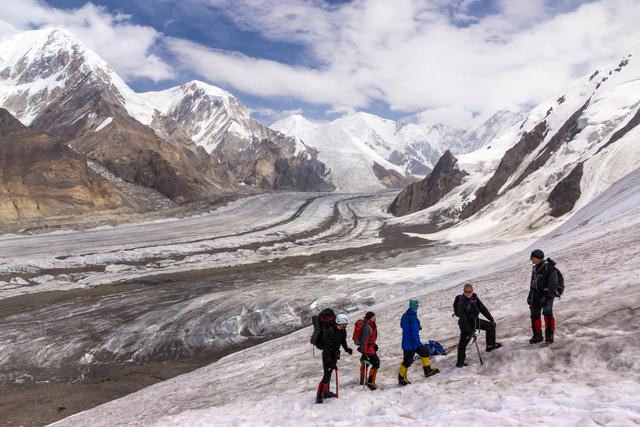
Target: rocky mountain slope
[
  {"x": 567, "y": 151},
  {"x": 42, "y": 178},
  {"x": 427, "y": 192},
  {"x": 215, "y": 120}
]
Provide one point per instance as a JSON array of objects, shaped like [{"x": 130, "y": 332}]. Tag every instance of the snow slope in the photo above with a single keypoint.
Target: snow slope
[{"x": 589, "y": 376}]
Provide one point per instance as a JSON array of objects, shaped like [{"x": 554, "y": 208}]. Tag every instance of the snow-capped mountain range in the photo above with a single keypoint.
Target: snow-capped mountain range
[
  {"x": 42, "y": 71},
  {"x": 187, "y": 142},
  {"x": 356, "y": 146}
]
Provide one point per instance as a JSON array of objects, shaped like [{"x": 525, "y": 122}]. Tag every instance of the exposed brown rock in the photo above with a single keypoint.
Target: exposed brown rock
[
  {"x": 566, "y": 133},
  {"x": 175, "y": 167},
  {"x": 425, "y": 193},
  {"x": 267, "y": 164},
  {"x": 635, "y": 121},
  {"x": 390, "y": 178},
  {"x": 41, "y": 178},
  {"x": 507, "y": 167},
  {"x": 566, "y": 193}
]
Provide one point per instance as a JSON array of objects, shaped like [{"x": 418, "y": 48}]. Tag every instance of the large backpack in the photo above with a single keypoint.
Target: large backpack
[
  {"x": 357, "y": 331},
  {"x": 455, "y": 305},
  {"x": 560, "y": 287},
  {"x": 322, "y": 321}
]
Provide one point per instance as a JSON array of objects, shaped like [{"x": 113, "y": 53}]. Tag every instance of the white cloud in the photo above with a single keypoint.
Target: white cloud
[
  {"x": 260, "y": 76},
  {"x": 126, "y": 46},
  {"x": 455, "y": 116},
  {"x": 411, "y": 55},
  {"x": 269, "y": 115}
]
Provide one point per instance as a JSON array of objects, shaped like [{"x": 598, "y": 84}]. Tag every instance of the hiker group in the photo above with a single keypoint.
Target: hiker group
[{"x": 329, "y": 332}]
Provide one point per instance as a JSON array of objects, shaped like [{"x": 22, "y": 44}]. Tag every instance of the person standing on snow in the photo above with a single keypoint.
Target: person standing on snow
[
  {"x": 369, "y": 349},
  {"x": 468, "y": 308},
  {"x": 544, "y": 281},
  {"x": 411, "y": 344},
  {"x": 332, "y": 337}
]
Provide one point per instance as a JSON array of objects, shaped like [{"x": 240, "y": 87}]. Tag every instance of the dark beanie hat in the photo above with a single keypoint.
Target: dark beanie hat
[
  {"x": 537, "y": 254},
  {"x": 369, "y": 315}
]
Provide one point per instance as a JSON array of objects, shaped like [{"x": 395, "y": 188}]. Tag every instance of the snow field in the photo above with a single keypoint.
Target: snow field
[{"x": 589, "y": 376}]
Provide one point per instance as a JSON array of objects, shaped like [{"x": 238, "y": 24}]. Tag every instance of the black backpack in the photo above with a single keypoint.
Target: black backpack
[
  {"x": 560, "y": 287},
  {"x": 455, "y": 305},
  {"x": 322, "y": 321}
]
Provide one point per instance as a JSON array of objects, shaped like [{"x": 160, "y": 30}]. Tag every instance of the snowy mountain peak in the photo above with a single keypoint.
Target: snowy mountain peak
[
  {"x": 35, "y": 67},
  {"x": 207, "y": 89}
]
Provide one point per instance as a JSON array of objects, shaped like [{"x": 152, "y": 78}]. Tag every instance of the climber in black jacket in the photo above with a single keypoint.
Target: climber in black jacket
[{"x": 468, "y": 308}]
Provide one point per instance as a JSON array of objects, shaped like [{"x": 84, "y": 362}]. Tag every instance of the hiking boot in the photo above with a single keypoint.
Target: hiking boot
[
  {"x": 371, "y": 382},
  {"x": 402, "y": 376},
  {"x": 490, "y": 348},
  {"x": 461, "y": 365},
  {"x": 429, "y": 371},
  {"x": 548, "y": 336},
  {"x": 536, "y": 338},
  {"x": 319, "y": 393},
  {"x": 329, "y": 394}
]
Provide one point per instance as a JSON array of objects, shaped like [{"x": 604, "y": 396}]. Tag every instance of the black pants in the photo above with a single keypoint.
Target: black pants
[
  {"x": 541, "y": 302},
  {"x": 407, "y": 358},
  {"x": 329, "y": 363},
  {"x": 465, "y": 337},
  {"x": 373, "y": 360}
]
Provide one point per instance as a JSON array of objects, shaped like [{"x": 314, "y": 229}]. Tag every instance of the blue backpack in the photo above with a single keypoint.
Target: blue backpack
[{"x": 434, "y": 348}]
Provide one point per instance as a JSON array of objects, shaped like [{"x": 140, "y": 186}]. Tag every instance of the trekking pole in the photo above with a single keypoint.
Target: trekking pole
[
  {"x": 336, "y": 382},
  {"x": 475, "y": 340}
]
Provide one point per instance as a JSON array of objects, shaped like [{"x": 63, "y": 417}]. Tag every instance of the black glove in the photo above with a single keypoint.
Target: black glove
[
  {"x": 419, "y": 327},
  {"x": 375, "y": 347},
  {"x": 350, "y": 351},
  {"x": 493, "y": 324}
]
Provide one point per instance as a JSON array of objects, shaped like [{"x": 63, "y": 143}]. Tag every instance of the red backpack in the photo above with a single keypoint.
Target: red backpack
[{"x": 357, "y": 331}]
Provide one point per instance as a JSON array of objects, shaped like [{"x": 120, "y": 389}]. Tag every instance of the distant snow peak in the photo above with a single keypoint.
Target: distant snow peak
[{"x": 351, "y": 145}]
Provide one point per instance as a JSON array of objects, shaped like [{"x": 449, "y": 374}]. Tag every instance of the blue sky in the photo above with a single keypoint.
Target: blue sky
[
  {"x": 210, "y": 26},
  {"x": 454, "y": 61}
]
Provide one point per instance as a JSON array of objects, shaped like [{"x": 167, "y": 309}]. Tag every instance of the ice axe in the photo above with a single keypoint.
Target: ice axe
[{"x": 475, "y": 340}]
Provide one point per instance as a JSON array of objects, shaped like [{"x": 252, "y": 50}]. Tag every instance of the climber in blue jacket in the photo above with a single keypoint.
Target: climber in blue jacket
[{"x": 411, "y": 344}]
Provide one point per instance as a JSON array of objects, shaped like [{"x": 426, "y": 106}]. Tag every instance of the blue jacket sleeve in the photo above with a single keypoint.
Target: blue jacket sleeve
[{"x": 415, "y": 333}]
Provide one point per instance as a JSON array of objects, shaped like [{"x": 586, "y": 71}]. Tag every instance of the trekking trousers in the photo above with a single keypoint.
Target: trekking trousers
[
  {"x": 465, "y": 337},
  {"x": 407, "y": 359},
  {"x": 329, "y": 362},
  {"x": 541, "y": 302},
  {"x": 373, "y": 360}
]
